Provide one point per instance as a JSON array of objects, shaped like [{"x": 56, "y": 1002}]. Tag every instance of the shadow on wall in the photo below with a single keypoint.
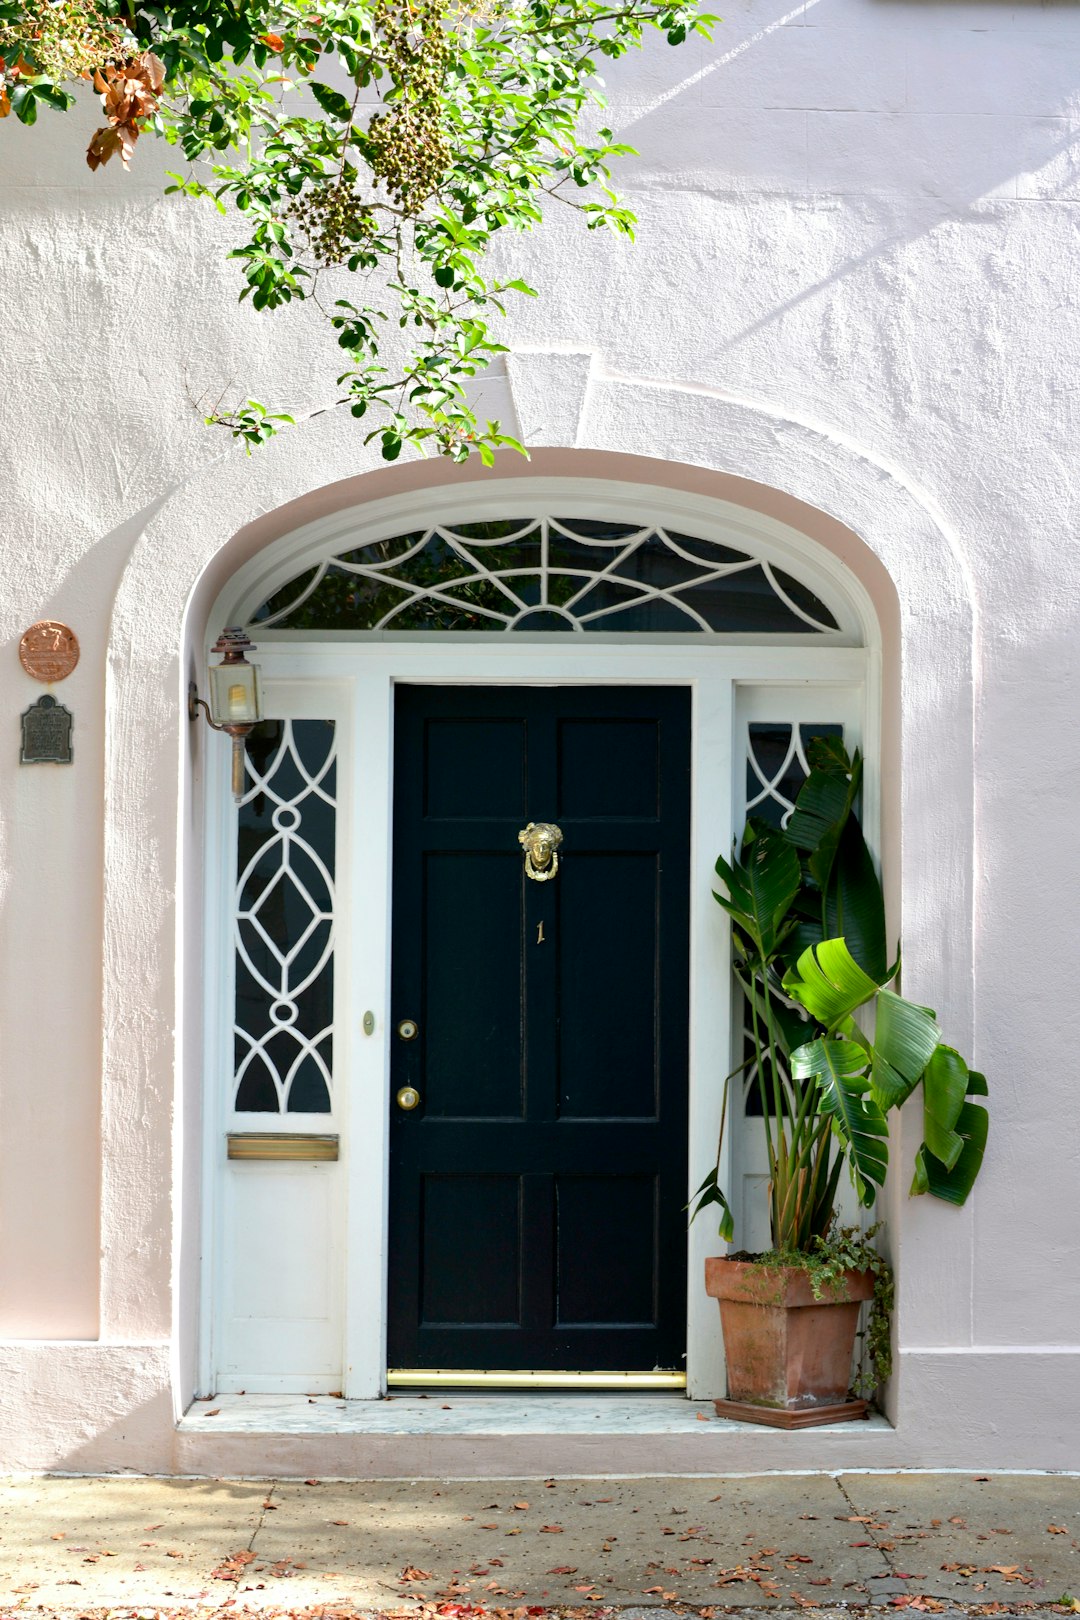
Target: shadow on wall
[{"x": 884, "y": 106}]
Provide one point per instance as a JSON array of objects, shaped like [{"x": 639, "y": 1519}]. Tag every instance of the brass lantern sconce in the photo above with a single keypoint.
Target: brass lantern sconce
[{"x": 235, "y": 705}]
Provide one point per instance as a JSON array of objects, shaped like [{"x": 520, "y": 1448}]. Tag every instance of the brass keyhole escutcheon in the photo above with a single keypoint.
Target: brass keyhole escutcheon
[
  {"x": 408, "y": 1029},
  {"x": 408, "y": 1098},
  {"x": 540, "y": 840}
]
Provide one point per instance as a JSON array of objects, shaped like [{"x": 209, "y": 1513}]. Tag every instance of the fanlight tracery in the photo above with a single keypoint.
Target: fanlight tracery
[{"x": 547, "y": 574}]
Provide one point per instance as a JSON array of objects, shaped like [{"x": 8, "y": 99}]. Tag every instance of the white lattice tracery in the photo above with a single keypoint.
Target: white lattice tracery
[
  {"x": 544, "y": 573},
  {"x": 284, "y": 922}
]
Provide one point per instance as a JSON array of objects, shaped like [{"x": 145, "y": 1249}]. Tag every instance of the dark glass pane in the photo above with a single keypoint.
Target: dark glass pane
[
  {"x": 744, "y": 602},
  {"x": 769, "y": 747},
  {"x": 428, "y": 613},
  {"x": 343, "y": 600},
  {"x": 312, "y": 743},
  {"x": 284, "y": 966},
  {"x": 566, "y": 553},
  {"x": 604, "y": 593},
  {"x": 654, "y": 615},
  {"x": 711, "y": 552},
  {"x": 527, "y": 586},
  {"x": 308, "y": 1093},
  {"x": 652, "y": 563},
  {"x": 437, "y": 564},
  {"x": 803, "y": 597},
  {"x": 561, "y": 587},
  {"x": 544, "y": 619},
  {"x": 378, "y": 553},
  {"x": 493, "y": 529},
  {"x": 256, "y": 1093},
  {"x": 598, "y": 528},
  {"x": 284, "y": 596}
]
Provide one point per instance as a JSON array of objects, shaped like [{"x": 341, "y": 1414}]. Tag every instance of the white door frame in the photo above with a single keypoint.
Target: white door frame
[{"x": 358, "y": 676}]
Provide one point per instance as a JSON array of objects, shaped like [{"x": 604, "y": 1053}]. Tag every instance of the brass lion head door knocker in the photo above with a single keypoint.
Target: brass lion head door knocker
[{"x": 540, "y": 840}]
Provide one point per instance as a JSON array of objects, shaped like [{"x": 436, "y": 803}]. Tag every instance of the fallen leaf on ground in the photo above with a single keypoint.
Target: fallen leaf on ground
[
  {"x": 520, "y": 1507},
  {"x": 1051, "y": 1530},
  {"x": 703, "y": 1417},
  {"x": 411, "y": 1573},
  {"x": 232, "y": 1568},
  {"x": 564, "y": 1569},
  {"x": 551, "y": 1529}
]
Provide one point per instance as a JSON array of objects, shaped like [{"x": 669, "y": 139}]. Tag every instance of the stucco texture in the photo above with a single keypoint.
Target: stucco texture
[{"x": 854, "y": 286}]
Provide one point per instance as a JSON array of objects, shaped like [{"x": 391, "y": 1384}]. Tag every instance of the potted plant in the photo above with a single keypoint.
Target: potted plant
[{"x": 834, "y": 1051}]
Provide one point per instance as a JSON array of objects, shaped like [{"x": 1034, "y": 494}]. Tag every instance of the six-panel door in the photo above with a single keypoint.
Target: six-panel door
[{"x": 538, "y": 1187}]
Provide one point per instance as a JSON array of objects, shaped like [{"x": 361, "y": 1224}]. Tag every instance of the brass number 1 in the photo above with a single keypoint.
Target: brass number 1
[{"x": 540, "y": 933}]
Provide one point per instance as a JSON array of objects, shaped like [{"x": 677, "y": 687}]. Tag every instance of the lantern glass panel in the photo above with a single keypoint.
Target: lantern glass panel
[{"x": 234, "y": 694}]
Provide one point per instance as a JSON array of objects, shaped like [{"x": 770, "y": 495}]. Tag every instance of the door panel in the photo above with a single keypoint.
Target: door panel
[
  {"x": 607, "y": 997},
  {"x": 537, "y": 1192}
]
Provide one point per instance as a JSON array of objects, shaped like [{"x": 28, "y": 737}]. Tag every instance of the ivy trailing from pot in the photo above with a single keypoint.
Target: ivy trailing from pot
[{"x": 835, "y": 1051}]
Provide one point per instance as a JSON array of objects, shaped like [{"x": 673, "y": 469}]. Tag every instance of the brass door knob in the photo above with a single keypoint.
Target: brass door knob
[{"x": 408, "y": 1098}]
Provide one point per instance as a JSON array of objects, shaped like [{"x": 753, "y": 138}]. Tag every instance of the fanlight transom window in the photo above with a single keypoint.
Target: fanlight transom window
[{"x": 547, "y": 574}]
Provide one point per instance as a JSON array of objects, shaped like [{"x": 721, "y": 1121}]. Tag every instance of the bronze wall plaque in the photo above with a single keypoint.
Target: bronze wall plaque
[
  {"x": 46, "y": 733},
  {"x": 49, "y": 651}
]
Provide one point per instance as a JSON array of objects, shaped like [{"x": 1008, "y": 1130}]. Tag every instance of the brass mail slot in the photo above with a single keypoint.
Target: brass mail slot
[{"x": 276, "y": 1145}]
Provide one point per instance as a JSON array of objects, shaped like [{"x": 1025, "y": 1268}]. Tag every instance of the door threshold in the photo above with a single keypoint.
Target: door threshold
[
  {"x": 471, "y": 1412},
  {"x": 419, "y": 1378}
]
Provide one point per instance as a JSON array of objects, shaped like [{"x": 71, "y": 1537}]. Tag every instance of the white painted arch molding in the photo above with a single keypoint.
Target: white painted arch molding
[{"x": 619, "y": 429}]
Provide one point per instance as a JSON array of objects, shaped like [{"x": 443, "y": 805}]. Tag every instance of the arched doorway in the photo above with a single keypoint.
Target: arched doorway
[{"x": 491, "y": 607}]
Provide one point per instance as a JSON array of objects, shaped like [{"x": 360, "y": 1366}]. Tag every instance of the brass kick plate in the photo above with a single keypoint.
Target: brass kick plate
[
  {"x": 276, "y": 1145},
  {"x": 426, "y": 1378}
]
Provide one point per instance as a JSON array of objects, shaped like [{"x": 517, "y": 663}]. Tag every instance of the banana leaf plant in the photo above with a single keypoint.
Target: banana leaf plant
[{"x": 834, "y": 1049}]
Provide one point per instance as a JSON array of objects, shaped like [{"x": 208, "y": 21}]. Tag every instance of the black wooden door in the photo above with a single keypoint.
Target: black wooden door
[{"x": 537, "y": 1191}]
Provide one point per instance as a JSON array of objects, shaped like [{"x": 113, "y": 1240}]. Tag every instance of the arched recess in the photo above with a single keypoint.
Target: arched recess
[{"x": 861, "y": 511}]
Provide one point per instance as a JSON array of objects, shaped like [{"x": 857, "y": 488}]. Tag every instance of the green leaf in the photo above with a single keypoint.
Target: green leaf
[
  {"x": 821, "y": 810},
  {"x": 761, "y": 891},
  {"x": 945, "y": 1085},
  {"x": 905, "y": 1034},
  {"x": 854, "y": 902},
  {"x": 829, "y": 983},
  {"x": 710, "y": 1194},
  {"x": 331, "y": 101},
  {"x": 838, "y": 1067},
  {"x": 953, "y": 1185},
  {"x": 24, "y": 103}
]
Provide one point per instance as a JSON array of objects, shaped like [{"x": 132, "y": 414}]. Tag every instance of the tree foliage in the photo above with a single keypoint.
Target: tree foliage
[{"x": 370, "y": 144}]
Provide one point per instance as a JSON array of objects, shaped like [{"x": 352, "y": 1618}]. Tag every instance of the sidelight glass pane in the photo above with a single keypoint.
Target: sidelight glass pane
[{"x": 284, "y": 920}]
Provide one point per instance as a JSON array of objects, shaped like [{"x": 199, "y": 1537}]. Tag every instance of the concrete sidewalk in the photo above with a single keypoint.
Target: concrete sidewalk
[{"x": 766, "y": 1542}]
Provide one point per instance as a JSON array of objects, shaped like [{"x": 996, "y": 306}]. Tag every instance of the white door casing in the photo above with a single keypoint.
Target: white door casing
[{"x": 329, "y": 1249}]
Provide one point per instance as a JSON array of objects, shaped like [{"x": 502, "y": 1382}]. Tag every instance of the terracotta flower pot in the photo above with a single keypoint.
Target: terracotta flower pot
[{"x": 788, "y": 1354}]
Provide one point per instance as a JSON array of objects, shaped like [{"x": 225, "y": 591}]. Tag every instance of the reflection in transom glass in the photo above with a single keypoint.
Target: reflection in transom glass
[{"x": 570, "y": 574}]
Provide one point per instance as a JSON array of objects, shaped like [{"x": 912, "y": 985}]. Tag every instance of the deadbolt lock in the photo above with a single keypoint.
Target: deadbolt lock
[
  {"x": 408, "y": 1029},
  {"x": 408, "y": 1098}
]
